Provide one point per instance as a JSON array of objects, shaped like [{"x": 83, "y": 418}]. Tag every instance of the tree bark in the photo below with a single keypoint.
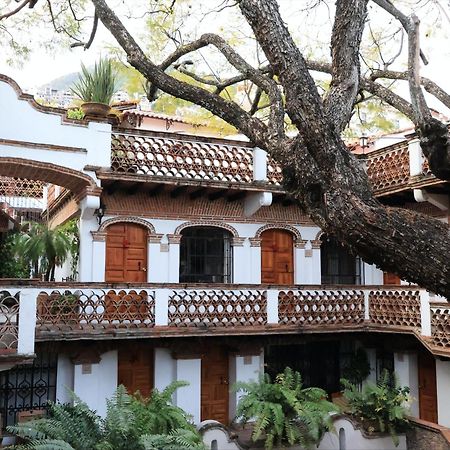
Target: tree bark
[{"x": 330, "y": 183}]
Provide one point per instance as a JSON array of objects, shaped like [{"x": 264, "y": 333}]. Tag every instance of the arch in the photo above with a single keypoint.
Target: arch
[
  {"x": 127, "y": 219},
  {"x": 71, "y": 179},
  {"x": 319, "y": 235},
  {"x": 206, "y": 223},
  {"x": 270, "y": 226}
]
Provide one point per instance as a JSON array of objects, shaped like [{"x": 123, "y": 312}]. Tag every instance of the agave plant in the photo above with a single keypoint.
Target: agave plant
[
  {"x": 284, "y": 413},
  {"x": 96, "y": 86}
]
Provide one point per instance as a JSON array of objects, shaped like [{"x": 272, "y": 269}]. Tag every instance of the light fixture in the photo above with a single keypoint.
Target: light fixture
[
  {"x": 363, "y": 141},
  {"x": 99, "y": 213}
]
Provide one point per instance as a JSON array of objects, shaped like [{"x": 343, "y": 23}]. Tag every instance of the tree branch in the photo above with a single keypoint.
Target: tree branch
[
  {"x": 89, "y": 42},
  {"x": 15, "y": 11},
  {"x": 345, "y": 66}
]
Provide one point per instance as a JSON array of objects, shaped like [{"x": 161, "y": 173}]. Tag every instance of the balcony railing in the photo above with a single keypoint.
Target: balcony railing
[
  {"x": 169, "y": 155},
  {"x": 75, "y": 310}
]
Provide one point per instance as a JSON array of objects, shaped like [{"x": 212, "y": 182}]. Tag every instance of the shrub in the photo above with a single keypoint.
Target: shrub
[
  {"x": 284, "y": 412},
  {"x": 381, "y": 406}
]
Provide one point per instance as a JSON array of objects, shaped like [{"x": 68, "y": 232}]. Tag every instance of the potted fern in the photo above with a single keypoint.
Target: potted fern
[
  {"x": 284, "y": 413},
  {"x": 96, "y": 88}
]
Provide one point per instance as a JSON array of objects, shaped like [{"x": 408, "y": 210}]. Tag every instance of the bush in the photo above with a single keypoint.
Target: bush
[
  {"x": 381, "y": 406},
  {"x": 284, "y": 412}
]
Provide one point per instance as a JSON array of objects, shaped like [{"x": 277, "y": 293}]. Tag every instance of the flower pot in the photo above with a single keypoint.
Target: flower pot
[{"x": 95, "y": 109}]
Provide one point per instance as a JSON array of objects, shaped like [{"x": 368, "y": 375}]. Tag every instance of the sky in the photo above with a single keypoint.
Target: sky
[{"x": 43, "y": 67}]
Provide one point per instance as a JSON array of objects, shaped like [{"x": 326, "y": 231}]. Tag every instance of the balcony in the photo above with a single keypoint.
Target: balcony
[
  {"x": 101, "y": 311},
  {"x": 171, "y": 156}
]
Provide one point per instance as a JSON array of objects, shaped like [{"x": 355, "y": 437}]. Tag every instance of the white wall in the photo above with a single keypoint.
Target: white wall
[
  {"x": 165, "y": 368},
  {"x": 64, "y": 379},
  {"x": 443, "y": 391},
  {"x": 94, "y": 388},
  {"x": 188, "y": 398},
  {"x": 406, "y": 368}
]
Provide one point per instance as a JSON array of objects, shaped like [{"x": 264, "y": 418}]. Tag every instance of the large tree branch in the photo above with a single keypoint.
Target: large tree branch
[
  {"x": 345, "y": 66},
  {"x": 15, "y": 10}
]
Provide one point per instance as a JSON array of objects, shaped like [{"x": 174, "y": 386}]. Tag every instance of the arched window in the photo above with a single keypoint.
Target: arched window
[
  {"x": 337, "y": 264},
  {"x": 205, "y": 255}
]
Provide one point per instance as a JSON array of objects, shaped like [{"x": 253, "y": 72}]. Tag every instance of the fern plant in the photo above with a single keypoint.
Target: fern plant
[
  {"x": 284, "y": 412},
  {"x": 177, "y": 439},
  {"x": 96, "y": 86},
  {"x": 381, "y": 406}
]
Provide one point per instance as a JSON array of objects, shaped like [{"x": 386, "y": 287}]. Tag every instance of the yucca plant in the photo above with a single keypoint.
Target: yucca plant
[
  {"x": 284, "y": 413},
  {"x": 96, "y": 86},
  {"x": 380, "y": 406}
]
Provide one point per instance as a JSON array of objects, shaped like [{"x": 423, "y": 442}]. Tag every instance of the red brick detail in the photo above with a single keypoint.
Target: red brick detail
[
  {"x": 281, "y": 226},
  {"x": 184, "y": 208},
  {"x": 73, "y": 180},
  {"x": 207, "y": 223},
  {"x": 120, "y": 219}
]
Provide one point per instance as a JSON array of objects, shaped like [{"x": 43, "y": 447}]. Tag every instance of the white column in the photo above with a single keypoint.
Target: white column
[
  {"x": 87, "y": 225},
  {"x": 316, "y": 269},
  {"x": 372, "y": 274},
  {"x": 94, "y": 383},
  {"x": 162, "y": 307},
  {"x": 372, "y": 358},
  {"x": 64, "y": 379},
  {"x": 98, "y": 255},
  {"x": 300, "y": 263},
  {"x": 245, "y": 368},
  {"x": 174, "y": 258},
  {"x": 407, "y": 371},
  {"x": 425, "y": 313},
  {"x": 443, "y": 390},
  {"x": 255, "y": 260},
  {"x": 27, "y": 321},
  {"x": 157, "y": 259},
  {"x": 259, "y": 164},
  {"x": 415, "y": 158},
  {"x": 165, "y": 368},
  {"x": 272, "y": 306},
  {"x": 189, "y": 397},
  {"x": 241, "y": 261}
]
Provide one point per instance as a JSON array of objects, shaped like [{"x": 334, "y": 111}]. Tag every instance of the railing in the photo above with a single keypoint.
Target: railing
[
  {"x": 75, "y": 310},
  {"x": 169, "y": 155}
]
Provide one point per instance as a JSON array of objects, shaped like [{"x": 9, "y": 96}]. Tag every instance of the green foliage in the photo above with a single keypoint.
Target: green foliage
[
  {"x": 379, "y": 406},
  {"x": 75, "y": 114},
  {"x": 130, "y": 423},
  {"x": 284, "y": 412},
  {"x": 12, "y": 266},
  {"x": 96, "y": 86},
  {"x": 358, "y": 368},
  {"x": 45, "y": 248}
]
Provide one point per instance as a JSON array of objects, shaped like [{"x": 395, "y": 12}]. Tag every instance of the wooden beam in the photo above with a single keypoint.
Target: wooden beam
[
  {"x": 197, "y": 193},
  {"x": 131, "y": 190},
  {"x": 113, "y": 187},
  {"x": 236, "y": 196},
  {"x": 217, "y": 194},
  {"x": 177, "y": 191},
  {"x": 156, "y": 190}
]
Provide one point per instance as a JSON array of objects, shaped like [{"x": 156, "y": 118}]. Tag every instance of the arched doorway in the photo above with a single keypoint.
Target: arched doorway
[
  {"x": 277, "y": 257},
  {"x": 206, "y": 255},
  {"x": 338, "y": 265},
  {"x": 126, "y": 253}
]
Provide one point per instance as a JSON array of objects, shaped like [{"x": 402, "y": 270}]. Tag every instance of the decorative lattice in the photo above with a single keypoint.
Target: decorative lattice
[
  {"x": 20, "y": 187},
  {"x": 217, "y": 308},
  {"x": 397, "y": 308},
  {"x": 150, "y": 155},
  {"x": 9, "y": 322},
  {"x": 319, "y": 308},
  {"x": 389, "y": 169},
  {"x": 440, "y": 326},
  {"x": 274, "y": 174},
  {"x": 92, "y": 310}
]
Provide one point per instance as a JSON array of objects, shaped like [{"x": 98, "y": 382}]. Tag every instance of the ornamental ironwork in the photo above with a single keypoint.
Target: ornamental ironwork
[{"x": 9, "y": 322}]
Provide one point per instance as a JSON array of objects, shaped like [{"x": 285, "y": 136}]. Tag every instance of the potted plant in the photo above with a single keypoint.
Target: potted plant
[{"x": 96, "y": 88}]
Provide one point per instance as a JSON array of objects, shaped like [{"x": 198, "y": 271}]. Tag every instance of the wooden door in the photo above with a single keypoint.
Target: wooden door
[
  {"x": 126, "y": 253},
  {"x": 427, "y": 388},
  {"x": 214, "y": 388},
  {"x": 135, "y": 369},
  {"x": 277, "y": 257},
  {"x": 391, "y": 278}
]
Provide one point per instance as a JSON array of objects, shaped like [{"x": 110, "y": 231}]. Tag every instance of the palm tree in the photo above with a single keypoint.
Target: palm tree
[{"x": 44, "y": 247}]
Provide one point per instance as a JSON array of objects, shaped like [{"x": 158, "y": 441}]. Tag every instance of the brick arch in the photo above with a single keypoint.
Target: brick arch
[
  {"x": 290, "y": 228},
  {"x": 206, "y": 223},
  {"x": 127, "y": 219},
  {"x": 73, "y": 180}
]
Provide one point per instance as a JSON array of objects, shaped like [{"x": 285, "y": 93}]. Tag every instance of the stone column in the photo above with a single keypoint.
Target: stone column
[
  {"x": 300, "y": 263},
  {"x": 316, "y": 270},
  {"x": 157, "y": 260},
  {"x": 189, "y": 397},
  {"x": 255, "y": 260},
  {"x": 174, "y": 257},
  {"x": 98, "y": 255},
  {"x": 407, "y": 371},
  {"x": 241, "y": 261},
  {"x": 443, "y": 389}
]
